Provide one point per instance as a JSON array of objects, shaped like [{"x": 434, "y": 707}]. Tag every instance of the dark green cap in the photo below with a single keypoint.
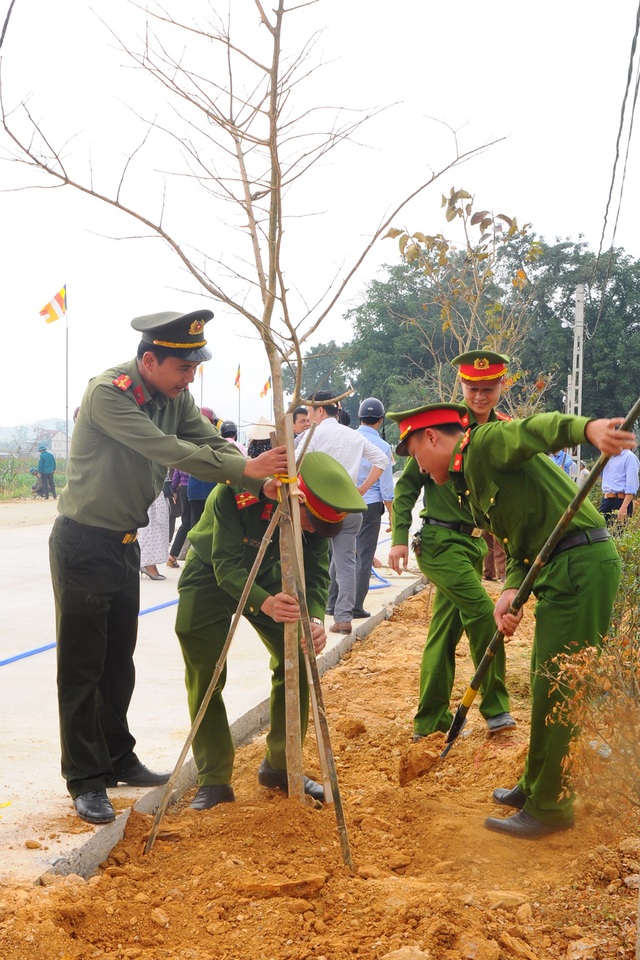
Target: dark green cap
[
  {"x": 429, "y": 415},
  {"x": 476, "y": 365},
  {"x": 179, "y": 334},
  {"x": 329, "y": 490}
]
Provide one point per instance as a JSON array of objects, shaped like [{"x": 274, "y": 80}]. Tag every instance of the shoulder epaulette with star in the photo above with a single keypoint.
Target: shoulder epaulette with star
[
  {"x": 502, "y": 416},
  {"x": 245, "y": 500},
  {"x": 123, "y": 382}
]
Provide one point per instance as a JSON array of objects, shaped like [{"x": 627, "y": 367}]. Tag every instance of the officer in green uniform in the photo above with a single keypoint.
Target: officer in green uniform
[
  {"x": 515, "y": 491},
  {"x": 224, "y": 544},
  {"x": 451, "y": 555},
  {"x": 134, "y": 421}
]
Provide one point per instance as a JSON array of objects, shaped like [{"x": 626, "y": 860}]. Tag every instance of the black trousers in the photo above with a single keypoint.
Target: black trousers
[
  {"x": 365, "y": 550},
  {"x": 96, "y": 586},
  {"x": 608, "y": 504},
  {"x": 185, "y": 522}
]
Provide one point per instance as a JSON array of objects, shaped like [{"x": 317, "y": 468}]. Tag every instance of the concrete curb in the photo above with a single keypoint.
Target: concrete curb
[{"x": 85, "y": 860}]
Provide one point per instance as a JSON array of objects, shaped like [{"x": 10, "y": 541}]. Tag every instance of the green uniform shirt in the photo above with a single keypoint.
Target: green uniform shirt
[
  {"x": 441, "y": 502},
  {"x": 501, "y": 470},
  {"x": 124, "y": 440},
  {"x": 227, "y": 537}
]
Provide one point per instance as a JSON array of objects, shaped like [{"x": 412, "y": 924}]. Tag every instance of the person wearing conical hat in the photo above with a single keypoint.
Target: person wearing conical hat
[
  {"x": 223, "y": 548},
  {"x": 134, "y": 421},
  {"x": 501, "y": 471},
  {"x": 451, "y": 555}
]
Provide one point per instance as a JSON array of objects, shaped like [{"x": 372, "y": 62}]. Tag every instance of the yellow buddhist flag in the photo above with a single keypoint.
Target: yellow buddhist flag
[
  {"x": 57, "y": 307},
  {"x": 266, "y": 388}
]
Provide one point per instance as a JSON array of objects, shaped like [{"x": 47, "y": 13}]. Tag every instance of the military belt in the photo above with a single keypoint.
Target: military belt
[
  {"x": 121, "y": 536},
  {"x": 467, "y": 528},
  {"x": 614, "y": 496},
  {"x": 580, "y": 540}
]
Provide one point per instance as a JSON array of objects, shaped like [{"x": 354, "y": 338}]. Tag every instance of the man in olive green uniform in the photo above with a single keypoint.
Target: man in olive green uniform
[
  {"x": 451, "y": 556},
  {"x": 224, "y": 545},
  {"x": 134, "y": 421},
  {"x": 514, "y": 490}
]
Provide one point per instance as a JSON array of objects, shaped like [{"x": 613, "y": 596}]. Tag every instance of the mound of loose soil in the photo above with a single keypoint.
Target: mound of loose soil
[{"x": 264, "y": 878}]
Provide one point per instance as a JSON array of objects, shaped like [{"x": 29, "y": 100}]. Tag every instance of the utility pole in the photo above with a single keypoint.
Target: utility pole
[{"x": 574, "y": 391}]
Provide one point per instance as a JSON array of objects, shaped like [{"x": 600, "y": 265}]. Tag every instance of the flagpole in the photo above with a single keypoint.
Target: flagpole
[
  {"x": 66, "y": 380},
  {"x": 239, "y": 389}
]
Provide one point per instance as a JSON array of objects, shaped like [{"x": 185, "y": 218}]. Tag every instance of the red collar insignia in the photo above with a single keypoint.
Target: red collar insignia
[
  {"x": 123, "y": 382},
  {"x": 245, "y": 500},
  {"x": 138, "y": 393},
  {"x": 458, "y": 460},
  {"x": 464, "y": 420},
  {"x": 268, "y": 510}
]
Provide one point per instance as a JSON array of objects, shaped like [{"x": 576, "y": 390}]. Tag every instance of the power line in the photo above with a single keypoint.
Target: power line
[{"x": 634, "y": 44}]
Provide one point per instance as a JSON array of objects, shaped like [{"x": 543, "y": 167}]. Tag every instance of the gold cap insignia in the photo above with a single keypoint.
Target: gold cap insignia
[
  {"x": 481, "y": 363},
  {"x": 196, "y": 327}
]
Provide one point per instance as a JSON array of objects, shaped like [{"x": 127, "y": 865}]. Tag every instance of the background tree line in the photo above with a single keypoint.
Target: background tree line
[{"x": 401, "y": 346}]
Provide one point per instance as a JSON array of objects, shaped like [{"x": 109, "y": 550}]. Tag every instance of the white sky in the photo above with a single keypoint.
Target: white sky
[{"x": 549, "y": 77}]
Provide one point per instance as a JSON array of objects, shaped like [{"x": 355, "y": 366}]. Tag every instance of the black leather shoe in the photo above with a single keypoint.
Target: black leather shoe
[
  {"x": 277, "y": 780},
  {"x": 510, "y": 798},
  {"x": 138, "y": 776},
  {"x": 524, "y": 826},
  {"x": 94, "y": 807},
  {"x": 360, "y": 614},
  {"x": 212, "y": 795},
  {"x": 503, "y": 721}
]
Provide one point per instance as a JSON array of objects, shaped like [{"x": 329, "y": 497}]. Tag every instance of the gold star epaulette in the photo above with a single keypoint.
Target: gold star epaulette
[
  {"x": 458, "y": 459},
  {"x": 245, "y": 500},
  {"x": 502, "y": 416},
  {"x": 123, "y": 382}
]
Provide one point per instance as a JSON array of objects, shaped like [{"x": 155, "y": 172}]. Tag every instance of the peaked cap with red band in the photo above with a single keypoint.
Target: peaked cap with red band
[
  {"x": 329, "y": 491},
  {"x": 478, "y": 365},
  {"x": 431, "y": 415}
]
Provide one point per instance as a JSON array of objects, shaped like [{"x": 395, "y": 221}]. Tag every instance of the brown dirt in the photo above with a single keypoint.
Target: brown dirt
[{"x": 264, "y": 878}]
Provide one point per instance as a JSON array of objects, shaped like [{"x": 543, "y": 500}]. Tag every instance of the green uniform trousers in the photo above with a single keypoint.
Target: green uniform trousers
[
  {"x": 202, "y": 623},
  {"x": 453, "y": 562},
  {"x": 575, "y": 594}
]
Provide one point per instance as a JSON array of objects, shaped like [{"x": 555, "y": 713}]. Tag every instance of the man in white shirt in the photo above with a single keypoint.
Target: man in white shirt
[
  {"x": 619, "y": 487},
  {"x": 348, "y": 447}
]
